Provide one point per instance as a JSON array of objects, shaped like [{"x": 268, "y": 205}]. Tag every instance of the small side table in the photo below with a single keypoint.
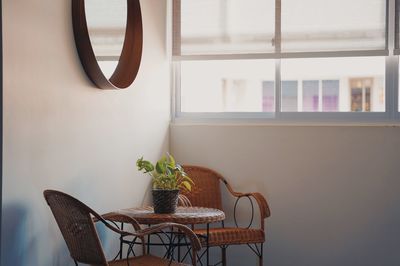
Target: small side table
[{"x": 183, "y": 215}]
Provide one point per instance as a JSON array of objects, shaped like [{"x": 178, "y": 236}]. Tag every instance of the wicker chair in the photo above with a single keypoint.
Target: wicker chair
[
  {"x": 76, "y": 222},
  {"x": 207, "y": 193}
]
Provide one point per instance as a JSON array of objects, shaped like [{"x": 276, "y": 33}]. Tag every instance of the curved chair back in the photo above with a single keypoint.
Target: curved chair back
[
  {"x": 206, "y": 190},
  {"x": 77, "y": 227}
]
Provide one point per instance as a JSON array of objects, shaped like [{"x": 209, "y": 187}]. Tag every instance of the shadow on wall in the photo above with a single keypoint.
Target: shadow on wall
[
  {"x": 20, "y": 243},
  {"x": 19, "y": 247}
]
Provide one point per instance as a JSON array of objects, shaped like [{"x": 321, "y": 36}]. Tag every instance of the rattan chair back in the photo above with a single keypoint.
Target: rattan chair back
[
  {"x": 207, "y": 190},
  {"x": 76, "y": 225}
]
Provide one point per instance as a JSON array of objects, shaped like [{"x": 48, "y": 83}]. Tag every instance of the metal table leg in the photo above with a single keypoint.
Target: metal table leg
[
  {"x": 121, "y": 242},
  {"x": 207, "y": 250}
]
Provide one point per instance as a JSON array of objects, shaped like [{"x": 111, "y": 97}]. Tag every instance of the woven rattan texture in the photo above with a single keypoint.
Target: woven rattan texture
[
  {"x": 232, "y": 236},
  {"x": 183, "y": 215},
  {"x": 76, "y": 224},
  {"x": 77, "y": 228},
  {"x": 206, "y": 192},
  {"x": 165, "y": 201},
  {"x": 147, "y": 260}
]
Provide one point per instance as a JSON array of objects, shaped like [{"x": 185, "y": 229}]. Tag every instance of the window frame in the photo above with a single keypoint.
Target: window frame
[{"x": 390, "y": 116}]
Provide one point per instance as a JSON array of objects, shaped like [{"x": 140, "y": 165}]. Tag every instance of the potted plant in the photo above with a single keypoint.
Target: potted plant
[{"x": 168, "y": 178}]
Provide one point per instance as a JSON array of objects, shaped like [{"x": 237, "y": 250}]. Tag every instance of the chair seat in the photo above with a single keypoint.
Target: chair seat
[
  {"x": 145, "y": 261},
  {"x": 231, "y": 236}
]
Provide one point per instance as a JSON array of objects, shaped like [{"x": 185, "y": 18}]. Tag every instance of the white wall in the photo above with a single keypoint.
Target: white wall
[
  {"x": 333, "y": 191},
  {"x": 60, "y": 132}
]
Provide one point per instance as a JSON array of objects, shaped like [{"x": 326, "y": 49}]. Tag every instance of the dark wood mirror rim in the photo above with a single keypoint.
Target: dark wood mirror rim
[{"x": 129, "y": 61}]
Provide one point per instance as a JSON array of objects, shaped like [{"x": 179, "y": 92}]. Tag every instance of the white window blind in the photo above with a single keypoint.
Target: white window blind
[
  {"x": 224, "y": 26},
  {"x": 279, "y": 28},
  {"x": 339, "y": 25}
]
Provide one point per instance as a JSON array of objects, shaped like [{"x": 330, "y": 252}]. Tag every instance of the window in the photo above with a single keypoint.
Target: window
[
  {"x": 268, "y": 100},
  {"x": 311, "y": 94},
  {"x": 329, "y": 84},
  {"x": 330, "y": 96},
  {"x": 315, "y": 25},
  {"x": 289, "y": 96},
  {"x": 279, "y": 58},
  {"x": 229, "y": 86},
  {"x": 225, "y": 26}
]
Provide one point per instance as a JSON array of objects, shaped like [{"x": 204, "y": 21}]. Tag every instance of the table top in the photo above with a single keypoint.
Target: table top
[{"x": 183, "y": 215}]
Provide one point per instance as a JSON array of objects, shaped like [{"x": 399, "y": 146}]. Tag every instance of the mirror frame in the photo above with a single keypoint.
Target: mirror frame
[{"x": 131, "y": 54}]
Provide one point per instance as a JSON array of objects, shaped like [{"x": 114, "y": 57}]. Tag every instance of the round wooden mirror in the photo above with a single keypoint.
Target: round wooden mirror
[{"x": 128, "y": 61}]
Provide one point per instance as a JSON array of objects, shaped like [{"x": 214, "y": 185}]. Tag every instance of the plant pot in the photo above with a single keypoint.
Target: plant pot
[{"x": 165, "y": 201}]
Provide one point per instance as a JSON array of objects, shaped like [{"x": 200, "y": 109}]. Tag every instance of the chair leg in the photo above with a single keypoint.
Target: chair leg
[
  {"x": 223, "y": 255},
  {"x": 194, "y": 258},
  {"x": 260, "y": 258}
]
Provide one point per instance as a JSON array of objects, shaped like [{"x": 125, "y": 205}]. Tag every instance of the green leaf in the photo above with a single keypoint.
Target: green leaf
[
  {"x": 187, "y": 178},
  {"x": 166, "y": 174},
  {"x": 144, "y": 165},
  {"x": 171, "y": 160},
  {"x": 187, "y": 185},
  {"x": 160, "y": 167}
]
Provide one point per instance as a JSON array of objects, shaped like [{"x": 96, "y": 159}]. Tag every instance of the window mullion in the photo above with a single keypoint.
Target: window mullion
[
  {"x": 278, "y": 45},
  {"x": 176, "y": 28},
  {"x": 396, "y": 87},
  {"x": 278, "y": 26},
  {"x": 395, "y": 19},
  {"x": 391, "y": 71},
  {"x": 391, "y": 86},
  {"x": 177, "y": 90},
  {"x": 278, "y": 85}
]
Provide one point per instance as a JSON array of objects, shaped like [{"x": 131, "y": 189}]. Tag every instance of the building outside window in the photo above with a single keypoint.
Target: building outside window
[
  {"x": 268, "y": 100},
  {"x": 311, "y": 95}
]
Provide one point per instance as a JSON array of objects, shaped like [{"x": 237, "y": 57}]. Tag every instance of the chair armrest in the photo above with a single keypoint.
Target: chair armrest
[
  {"x": 141, "y": 233},
  {"x": 120, "y": 218},
  {"x": 261, "y": 201}
]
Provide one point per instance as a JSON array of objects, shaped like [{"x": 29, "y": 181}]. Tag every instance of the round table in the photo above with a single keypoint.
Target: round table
[{"x": 183, "y": 215}]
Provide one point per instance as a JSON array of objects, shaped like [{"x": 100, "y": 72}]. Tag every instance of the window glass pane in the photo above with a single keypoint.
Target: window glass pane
[
  {"x": 268, "y": 100},
  {"x": 330, "y": 95},
  {"x": 310, "y": 95},
  {"x": 289, "y": 96},
  {"x": 315, "y": 25},
  {"x": 228, "y": 86},
  {"x": 227, "y": 26},
  {"x": 345, "y": 84}
]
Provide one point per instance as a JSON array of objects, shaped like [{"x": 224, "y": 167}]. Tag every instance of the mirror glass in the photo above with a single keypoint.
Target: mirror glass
[{"x": 106, "y": 21}]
